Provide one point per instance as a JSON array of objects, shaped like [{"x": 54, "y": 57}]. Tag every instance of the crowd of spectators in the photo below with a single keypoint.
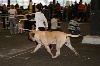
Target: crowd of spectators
[
  {"x": 79, "y": 10},
  {"x": 67, "y": 13}
]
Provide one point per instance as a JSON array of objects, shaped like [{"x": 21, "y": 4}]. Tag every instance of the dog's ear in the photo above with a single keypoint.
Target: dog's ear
[
  {"x": 29, "y": 39},
  {"x": 31, "y": 36}
]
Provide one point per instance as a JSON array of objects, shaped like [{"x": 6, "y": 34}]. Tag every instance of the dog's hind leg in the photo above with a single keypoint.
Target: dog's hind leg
[
  {"x": 70, "y": 46},
  {"x": 48, "y": 49},
  {"x": 58, "y": 50},
  {"x": 37, "y": 47}
]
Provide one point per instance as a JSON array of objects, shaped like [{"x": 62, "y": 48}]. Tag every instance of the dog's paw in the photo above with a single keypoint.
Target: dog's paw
[
  {"x": 54, "y": 56},
  {"x": 77, "y": 54},
  {"x": 32, "y": 52}
]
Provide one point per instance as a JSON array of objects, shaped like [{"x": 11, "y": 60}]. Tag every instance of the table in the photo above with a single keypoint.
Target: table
[
  {"x": 20, "y": 15},
  {"x": 28, "y": 23}
]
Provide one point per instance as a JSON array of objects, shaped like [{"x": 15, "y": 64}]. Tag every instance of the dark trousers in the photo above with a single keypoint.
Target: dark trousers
[
  {"x": 42, "y": 29},
  {"x": 74, "y": 32},
  {"x": 4, "y": 22},
  {"x": 81, "y": 15}
]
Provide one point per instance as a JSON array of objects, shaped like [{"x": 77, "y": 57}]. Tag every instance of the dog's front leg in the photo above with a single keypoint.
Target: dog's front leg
[
  {"x": 48, "y": 49},
  {"x": 37, "y": 47}
]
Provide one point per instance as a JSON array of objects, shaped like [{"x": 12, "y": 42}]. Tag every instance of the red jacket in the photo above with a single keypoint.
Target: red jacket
[{"x": 81, "y": 8}]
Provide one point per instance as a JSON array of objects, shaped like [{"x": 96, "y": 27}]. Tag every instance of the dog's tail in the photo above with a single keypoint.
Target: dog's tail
[{"x": 73, "y": 35}]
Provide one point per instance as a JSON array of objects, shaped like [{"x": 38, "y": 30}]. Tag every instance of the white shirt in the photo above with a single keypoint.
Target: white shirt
[
  {"x": 54, "y": 24},
  {"x": 12, "y": 13},
  {"x": 40, "y": 18}
]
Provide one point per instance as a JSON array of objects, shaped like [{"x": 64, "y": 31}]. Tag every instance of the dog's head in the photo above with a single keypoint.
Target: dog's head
[{"x": 31, "y": 35}]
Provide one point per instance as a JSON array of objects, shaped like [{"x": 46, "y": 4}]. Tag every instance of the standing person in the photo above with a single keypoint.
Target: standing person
[
  {"x": 4, "y": 12},
  {"x": 33, "y": 11},
  {"x": 41, "y": 21},
  {"x": 81, "y": 9},
  {"x": 57, "y": 9},
  {"x": 51, "y": 7},
  {"x": 13, "y": 13}
]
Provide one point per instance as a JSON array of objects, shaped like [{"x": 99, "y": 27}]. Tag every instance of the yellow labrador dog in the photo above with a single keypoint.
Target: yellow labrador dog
[{"x": 52, "y": 37}]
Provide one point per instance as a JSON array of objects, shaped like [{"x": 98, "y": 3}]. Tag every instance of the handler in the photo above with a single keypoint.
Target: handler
[{"x": 41, "y": 21}]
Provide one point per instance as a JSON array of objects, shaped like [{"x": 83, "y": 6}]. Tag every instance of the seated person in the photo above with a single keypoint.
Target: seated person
[
  {"x": 54, "y": 24},
  {"x": 73, "y": 27}
]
